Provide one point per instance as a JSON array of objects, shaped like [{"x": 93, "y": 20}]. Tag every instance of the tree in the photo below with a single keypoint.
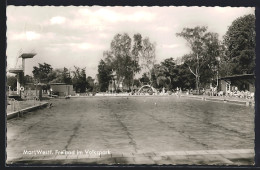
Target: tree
[
  {"x": 148, "y": 56},
  {"x": 239, "y": 42},
  {"x": 225, "y": 67},
  {"x": 171, "y": 71},
  {"x": 144, "y": 79},
  {"x": 204, "y": 51},
  {"x": 169, "y": 75},
  {"x": 108, "y": 58},
  {"x": 136, "y": 52},
  {"x": 90, "y": 83},
  {"x": 66, "y": 76},
  {"x": 184, "y": 78},
  {"x": 210, "y": 62},
  {"x": 28, "y": 79},
  {"x": 124, "y": 58},
  {"x": 161, "y": 78},
  {"x": 122, "y": 62},
  {"x": 12, "y": 81},
  {"x": 42, "y": 73},
  {"x": 60, "y": 75},
  {"x": 79, "y": 80},
  {"x": 55, "y": 76},
  {"x": 104, "y": 75},
  {"x": 137, "y": 83}
]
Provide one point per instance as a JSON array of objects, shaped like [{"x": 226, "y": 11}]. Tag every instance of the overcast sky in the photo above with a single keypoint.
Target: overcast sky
[{"x": 68, "y": 36}]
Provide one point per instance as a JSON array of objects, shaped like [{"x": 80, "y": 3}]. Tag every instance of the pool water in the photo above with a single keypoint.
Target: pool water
[{"x": 133, "y": 125}]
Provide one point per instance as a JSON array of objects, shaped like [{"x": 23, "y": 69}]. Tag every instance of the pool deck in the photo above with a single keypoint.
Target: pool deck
[
  {"x": 14, "y": 114},
  {"x": 235, "y": 157},
  {"x": 223, "y": 99}
]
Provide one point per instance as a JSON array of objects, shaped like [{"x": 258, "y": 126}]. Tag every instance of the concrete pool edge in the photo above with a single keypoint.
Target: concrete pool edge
[
  {"x": 209, "y": 157},
  {"x": 204, "y": 98},
  {"x": 224, "y": 100},
  {"x": 16, "y": 113}
]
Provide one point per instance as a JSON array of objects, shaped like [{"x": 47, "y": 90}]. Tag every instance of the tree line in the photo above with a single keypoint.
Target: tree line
[
  {"x": 125, "y": 59},
  {"x": 208, "y": 60},
  {"x": 45, "y": 74}
]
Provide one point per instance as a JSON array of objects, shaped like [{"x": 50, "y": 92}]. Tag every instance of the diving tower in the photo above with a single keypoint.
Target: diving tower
[{"x": 19, "y": 71}]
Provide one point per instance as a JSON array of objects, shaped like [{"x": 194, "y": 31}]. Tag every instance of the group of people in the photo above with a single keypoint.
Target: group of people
[
  {"x": 232, "y": 93},
  {"x": 241, "y": 94},
  {"x": 162, "y": 91}
]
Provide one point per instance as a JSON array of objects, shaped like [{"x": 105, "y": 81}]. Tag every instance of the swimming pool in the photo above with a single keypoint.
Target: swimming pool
[{"x": 133, "y": 125}]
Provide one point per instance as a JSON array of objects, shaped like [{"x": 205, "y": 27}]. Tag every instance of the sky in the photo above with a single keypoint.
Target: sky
[{"x": 77, "y": 36}]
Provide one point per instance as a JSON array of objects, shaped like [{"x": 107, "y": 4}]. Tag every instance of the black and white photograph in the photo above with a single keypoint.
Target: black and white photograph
[{"x": 130, "y": 85}]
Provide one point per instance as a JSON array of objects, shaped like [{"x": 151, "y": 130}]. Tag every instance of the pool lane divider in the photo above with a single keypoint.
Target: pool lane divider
[{"x": 22, "y": 111}]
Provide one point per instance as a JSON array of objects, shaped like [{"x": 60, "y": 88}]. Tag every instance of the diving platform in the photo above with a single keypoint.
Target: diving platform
[
  {"x": 16, "y": 70},
  {"x": 27, "y": 55},
  {"x": 19, "y": 71}
]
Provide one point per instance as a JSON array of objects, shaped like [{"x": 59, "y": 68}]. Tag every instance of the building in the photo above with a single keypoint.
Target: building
[
  {"x": 62, "y": 89},
  {"x": 242, "y": 82}
]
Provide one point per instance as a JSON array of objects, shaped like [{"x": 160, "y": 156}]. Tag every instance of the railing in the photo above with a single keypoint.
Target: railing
[{"x": 15, "y": 105}]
